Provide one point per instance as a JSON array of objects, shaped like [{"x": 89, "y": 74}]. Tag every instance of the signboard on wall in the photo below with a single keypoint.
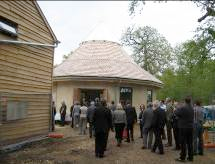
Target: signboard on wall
[
  {"x": 126, "y": 95},
  {"x": 125, "y": 90}
]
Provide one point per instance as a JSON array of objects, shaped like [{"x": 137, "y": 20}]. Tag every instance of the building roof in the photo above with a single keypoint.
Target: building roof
[
  {"x": 100, "y": 58},
  {"x": 46, "y": 22}
]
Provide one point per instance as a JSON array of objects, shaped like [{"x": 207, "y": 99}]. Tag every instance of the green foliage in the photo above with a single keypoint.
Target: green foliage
[
  {"x": 195, "y": 74},
  {"x": 194, "y": 70},
  {"x": 150, "y": 49}
]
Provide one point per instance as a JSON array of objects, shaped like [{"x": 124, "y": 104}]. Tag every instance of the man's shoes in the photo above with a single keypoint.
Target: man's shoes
[
  {"x": 190, "y": 159},
  {"x": 127, "y": 141},
  {"x": 153, "y": 151},
  {"x": 161, "y": 153},
  {"x": 168, "y": 145},
  {"x": 201, "y": 154},
  {"x": 177, "y": 148},
  {"x": 101, "y": 156},
  {"x": 180, "y": 160}
]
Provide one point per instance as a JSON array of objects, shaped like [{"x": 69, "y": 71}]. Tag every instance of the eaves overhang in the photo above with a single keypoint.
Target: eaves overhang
[{"x": 108, "y": 79}]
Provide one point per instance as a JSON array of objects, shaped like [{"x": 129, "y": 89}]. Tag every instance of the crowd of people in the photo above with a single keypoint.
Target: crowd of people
[{"x": 183, "y": 120}]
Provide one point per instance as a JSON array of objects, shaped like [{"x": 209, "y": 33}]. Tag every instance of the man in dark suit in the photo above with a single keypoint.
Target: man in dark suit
[
  {"x": 131, "y": 117},
  {"x": 185, "y": 123},
  {"x": 102, "y": 122},
  {"x": 158, "y": 123}
]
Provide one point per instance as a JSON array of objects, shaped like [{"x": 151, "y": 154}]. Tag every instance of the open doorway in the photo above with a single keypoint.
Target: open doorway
[{"x": 89, "y": 95}]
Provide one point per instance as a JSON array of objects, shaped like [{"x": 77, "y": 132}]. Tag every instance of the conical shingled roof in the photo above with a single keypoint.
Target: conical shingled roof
[{"x": 99, "y": 58}]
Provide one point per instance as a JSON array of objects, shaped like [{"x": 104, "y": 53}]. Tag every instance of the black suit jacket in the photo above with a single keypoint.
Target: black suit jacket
[
  {"x": 159, "y": 118},
  {"x": 131, "y": 114},
  {"x": 185, "y": 116},
  {"x": 102, "y": 119}
]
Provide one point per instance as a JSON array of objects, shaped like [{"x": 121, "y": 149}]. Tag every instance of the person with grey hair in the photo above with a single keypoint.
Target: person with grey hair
[
  {"x": 158, "y": 123},
  {"x": 112, "y": 106},
  {"x": 76, "y": 114},
  {"x": 119, "y": 120},
  {"x": 147, "y": 127},
  {"x": 90, "y": 113}
]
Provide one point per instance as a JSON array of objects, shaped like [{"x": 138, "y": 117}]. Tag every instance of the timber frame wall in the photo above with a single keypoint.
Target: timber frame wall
[{"x": 26, "y": 72}]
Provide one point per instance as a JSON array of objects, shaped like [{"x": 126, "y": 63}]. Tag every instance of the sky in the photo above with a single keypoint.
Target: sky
[{"x": 76, "y": 21}]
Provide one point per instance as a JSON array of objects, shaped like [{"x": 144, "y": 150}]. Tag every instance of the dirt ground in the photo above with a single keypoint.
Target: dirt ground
[{"x": 74, "y": 149}]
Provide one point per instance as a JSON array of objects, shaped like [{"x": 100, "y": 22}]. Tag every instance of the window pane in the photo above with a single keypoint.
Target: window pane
[
  {"x": 8, "y": 28},
  {"x": 149, "y": 96}
]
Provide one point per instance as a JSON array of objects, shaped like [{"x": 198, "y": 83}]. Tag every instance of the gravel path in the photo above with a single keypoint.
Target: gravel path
[{"x": 74, "y": 148}]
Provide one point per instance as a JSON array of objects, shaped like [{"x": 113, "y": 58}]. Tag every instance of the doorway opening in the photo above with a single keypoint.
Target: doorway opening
[
  {"x": 88, "y": 95},
  {"x": 125, "y": 95}
]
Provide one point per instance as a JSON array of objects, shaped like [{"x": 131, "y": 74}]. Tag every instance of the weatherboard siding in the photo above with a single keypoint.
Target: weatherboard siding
[{"x": 26, "y": 72}]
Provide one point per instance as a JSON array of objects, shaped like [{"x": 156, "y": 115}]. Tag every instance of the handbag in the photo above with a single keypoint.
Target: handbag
[{"x": 125, "y": 133}]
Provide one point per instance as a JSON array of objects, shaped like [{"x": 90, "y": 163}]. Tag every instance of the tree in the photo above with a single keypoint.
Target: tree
[
  {"x": 150, "y": 49},
  {"x": 207, "y": 6},
  {"x": 195, "y": 73}
]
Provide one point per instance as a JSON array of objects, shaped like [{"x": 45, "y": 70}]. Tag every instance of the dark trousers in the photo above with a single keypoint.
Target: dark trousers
[
  {"x": 91, "y": 129},
  {"x": 119, "y": 131},
  {"x": 169, "y": 132},
  {"x": 198, "y": 139},
  {"x": 100, "y": 143},
  {"x": 62, "y": 120},
  {"x": 130, "y": 132},
  {"x": 186, "y": 139},
  {"x": 176, "y": 137},
  {"x": 158, "y": 141},
  {"x": 106, "y": 139},
  {"x": 53, "y": 123},
  {"x": 163, "y": 134},
  {"x": 141, "y": 129}
]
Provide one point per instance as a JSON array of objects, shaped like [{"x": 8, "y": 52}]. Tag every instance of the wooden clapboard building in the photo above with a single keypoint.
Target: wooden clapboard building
[{"x": 26, "y": 62}]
